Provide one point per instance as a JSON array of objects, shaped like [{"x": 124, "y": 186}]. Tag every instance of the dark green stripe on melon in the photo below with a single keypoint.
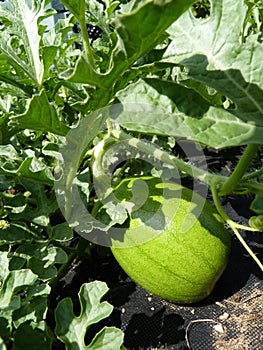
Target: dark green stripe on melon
[{"x": 178, "y": 266}]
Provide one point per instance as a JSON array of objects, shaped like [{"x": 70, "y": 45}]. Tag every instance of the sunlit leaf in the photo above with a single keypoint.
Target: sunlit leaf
[
  {"x": 71, "y": 329},
  {"x": 138, "y": 32},
  {"x": 213, "y": 52},
  {"x": 23, "y": 22},
  {"x": 76, "y": 7},
  {"x": 41, "y": 115},
  {"x": 15, "y": 282},
  {"x": 34, "y": 306},
  {"x": 42, "y": 259},
  {"x": 182, "y": 112}
]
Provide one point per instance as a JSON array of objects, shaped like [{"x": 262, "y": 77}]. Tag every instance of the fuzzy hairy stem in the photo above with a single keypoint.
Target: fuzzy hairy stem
[
  {"x": 166, "y": 158},
  {"x": 240, "y": 170},
  {"x": 253, "y": 175},
  {"x": 234, "y": 226}
]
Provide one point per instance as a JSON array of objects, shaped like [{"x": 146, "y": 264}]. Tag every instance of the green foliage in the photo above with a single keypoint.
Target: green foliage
[
  {"x": 194, "y": 121},
  {"x": 40, "y": 116},
  {"x": 256, "y": 222},
  {"x": 257, "y": 204},
  {"x": 197, "y": 67},
  {"x": 220, "y": 61},
  {"x": 22, "y": 21},
  {"x": 71, "y": 329}
]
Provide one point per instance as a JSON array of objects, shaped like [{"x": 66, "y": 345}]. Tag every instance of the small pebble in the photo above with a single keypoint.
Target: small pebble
[
  {"x": 224, "y": 317},
  {"x": 123, "y": 310},
  {"x": 219, "y": 328}
]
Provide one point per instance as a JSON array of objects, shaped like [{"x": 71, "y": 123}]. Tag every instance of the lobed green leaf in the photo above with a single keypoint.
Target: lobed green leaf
[
  {"x": 218, "y": 60},
  {"x": 26, "y": 164},
  {"x": 213, "y": 53},
  {"x": 17, "y": 232},
  {"x": 34, "y": 306},
  {"x": 22, "y": 21},
  {"x": 182, "y": 112},
  {"x": 41, "y": 259},
  {"x": 41, "y": 115},
  {"x": 153, "y": 18},
  {"x": 71, "y": 329},
  {"x": 15, "y": 282}
]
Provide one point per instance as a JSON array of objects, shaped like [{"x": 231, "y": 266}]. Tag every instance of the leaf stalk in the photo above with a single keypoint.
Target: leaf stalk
[
  {"x": 234, "y": 226},
  {"x": 240, "y": 169},
  {"x": 85, "y": 36},
  {"x": 166, "y": 158},
  {"x": 253, "y": 175}
]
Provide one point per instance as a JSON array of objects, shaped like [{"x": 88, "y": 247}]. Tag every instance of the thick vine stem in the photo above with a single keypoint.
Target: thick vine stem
[
  {"x": 63, "y": 270},
  {"x": 83, "y": 248},
  {"x": 166, "y": 158},
  {"x": 240, "y": 169},
  {"x": 234, "y": 226},
  {"x": 85, "y": 35},
  {"x": 253, "y": 175},
  {"x": 253, "y": 186}
]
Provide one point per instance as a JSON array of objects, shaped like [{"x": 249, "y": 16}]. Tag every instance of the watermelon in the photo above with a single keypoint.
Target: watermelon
[{"x": 175, "y": 244}]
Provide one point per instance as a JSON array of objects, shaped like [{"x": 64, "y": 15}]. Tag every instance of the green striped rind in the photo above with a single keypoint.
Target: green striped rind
[{"x": 180, "y": 267}]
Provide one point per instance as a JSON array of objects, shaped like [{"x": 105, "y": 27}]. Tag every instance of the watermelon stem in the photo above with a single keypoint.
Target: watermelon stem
[
  {"x": 225, "y": 184},
  {"x": 234, "y": 226},
  {"x": 253, "y": 175},
  {"x": 240, "y": 169},
  {"x": 85, "y": 36},
  {"x": 166, "y": 158}
]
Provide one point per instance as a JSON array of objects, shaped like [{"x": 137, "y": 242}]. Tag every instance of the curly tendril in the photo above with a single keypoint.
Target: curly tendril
[{"x": 256, "y": 222}]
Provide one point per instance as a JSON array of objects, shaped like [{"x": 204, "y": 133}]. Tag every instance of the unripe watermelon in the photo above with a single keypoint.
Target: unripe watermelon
[{"x": 178, "y": 266}]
